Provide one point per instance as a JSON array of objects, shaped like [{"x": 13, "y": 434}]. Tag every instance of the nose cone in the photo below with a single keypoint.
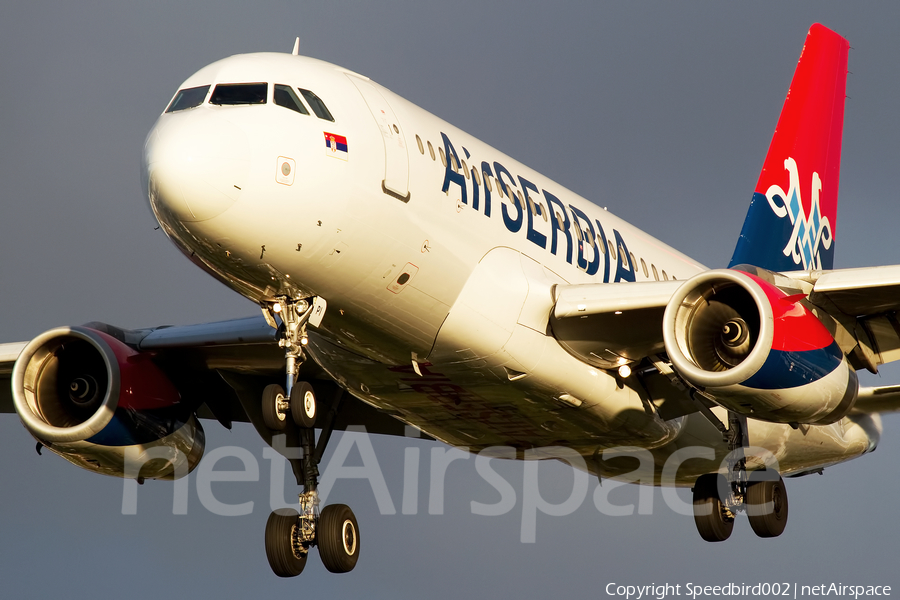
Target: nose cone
[{"x": 195, "y": 165}]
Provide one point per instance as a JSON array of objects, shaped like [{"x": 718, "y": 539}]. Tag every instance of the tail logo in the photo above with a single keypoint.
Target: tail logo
[{"x": 810, "y": 234}]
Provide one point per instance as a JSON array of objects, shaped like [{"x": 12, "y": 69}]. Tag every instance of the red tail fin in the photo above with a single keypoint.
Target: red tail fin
[{"x": 793, "y": 215}]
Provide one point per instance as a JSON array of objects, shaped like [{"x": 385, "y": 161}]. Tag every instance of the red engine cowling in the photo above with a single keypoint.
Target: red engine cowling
[
  {"x": 104, "y": 406},
  {"x": 756, "y": 350}
]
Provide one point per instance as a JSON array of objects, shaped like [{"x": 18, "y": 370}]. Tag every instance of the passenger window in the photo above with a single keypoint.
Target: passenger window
[
  {"x": 231, "y": 94},
  {"x": 644, "y": 267},
  {"x": 602, "y": 246},
  {"x": 477, "y": 176},
  {"x": 316, "y": 104},
  {"x": 487, "y": 182},
  {"x": 633, "y": 262},
  {"x": 453, "y": 163},
  {"x": 612, "y": 250},
  {"x": 665, "y": 277},
  {"x": 655, "y": 273},
  {"x": 419, "y": 142},
  {"x": 443, "y": 158},
  {"x": 188, "y": 98},
  {"x": 285, "y": 96},
  {"x": 431, "y": 150},
  {"x": 518, "y": 200}
]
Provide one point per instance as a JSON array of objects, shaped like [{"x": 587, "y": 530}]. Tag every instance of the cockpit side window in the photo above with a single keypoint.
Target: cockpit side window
[
  {"x": 285, "y": 96},
  {"x": 317, "y": 105},
  {"x": 188, "y": 98},
  {"x": 239, "y": 93}
]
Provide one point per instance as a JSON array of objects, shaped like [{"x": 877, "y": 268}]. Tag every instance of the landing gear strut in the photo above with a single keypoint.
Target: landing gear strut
[
  {"x": 718, "y": 498},
  {"x": 295, "y": 397},
  {"x": 290, "y": 534}
]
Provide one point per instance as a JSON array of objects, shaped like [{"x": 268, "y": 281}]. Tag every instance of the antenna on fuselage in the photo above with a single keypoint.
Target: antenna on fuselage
[{"x": 296, "y": 50}]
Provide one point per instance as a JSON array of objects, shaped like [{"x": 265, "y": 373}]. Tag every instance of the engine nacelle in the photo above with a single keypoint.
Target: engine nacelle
[
  {"x": 103, "y": 406},
  {"x": 756, "y": 350}
]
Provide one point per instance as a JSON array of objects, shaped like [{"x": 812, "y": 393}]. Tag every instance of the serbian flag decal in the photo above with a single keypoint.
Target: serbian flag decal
[{"x": 336, "y": 145}]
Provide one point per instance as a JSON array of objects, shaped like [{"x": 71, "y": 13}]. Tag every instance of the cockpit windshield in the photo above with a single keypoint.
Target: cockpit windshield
[
  {"x": 285, "y": 96},
  {"x": 188, "y": 98},
  {"x": 317, "y": 105},
  {"x": 239, "y": 93}
]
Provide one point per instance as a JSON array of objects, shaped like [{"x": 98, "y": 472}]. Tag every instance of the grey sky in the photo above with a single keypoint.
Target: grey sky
[{"x": 660, "y": 111}]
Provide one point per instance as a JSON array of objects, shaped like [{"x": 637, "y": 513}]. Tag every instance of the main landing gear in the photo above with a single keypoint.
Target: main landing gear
[
  {"x": 718, "y": 498},
  {"x": 290, "y": 534}
]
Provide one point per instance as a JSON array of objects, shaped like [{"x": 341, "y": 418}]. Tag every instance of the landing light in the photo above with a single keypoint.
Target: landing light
[
  {"x": 624, "y": 371},
  {"x": 276, "y": 308}
]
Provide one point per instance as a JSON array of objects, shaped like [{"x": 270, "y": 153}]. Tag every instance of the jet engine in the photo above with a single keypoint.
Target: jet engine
[
  {"x": 756, "y": 350},
  {"x": 104, "y": 406}
]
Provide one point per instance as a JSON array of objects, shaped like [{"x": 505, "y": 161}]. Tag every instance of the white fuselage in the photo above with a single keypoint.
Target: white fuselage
[{"x": 376, "y": 213}]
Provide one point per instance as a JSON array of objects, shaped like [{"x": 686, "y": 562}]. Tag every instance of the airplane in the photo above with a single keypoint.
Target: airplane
[{"x": 410, "y": 275}]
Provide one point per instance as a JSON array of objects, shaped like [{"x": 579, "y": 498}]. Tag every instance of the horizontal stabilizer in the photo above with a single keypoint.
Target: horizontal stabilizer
[{"x": 878, "y": 400}]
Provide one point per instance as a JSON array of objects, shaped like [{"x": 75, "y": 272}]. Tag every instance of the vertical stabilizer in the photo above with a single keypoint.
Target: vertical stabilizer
[{"x": 793, "y": 214}]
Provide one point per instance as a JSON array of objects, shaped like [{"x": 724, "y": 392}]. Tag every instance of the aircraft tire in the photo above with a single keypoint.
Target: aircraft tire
[
  {"x": 767, "y": 507},
  {"x": 273, "y": 418},
  {"x": 338, "y": 538},
  {"x": 712, "y": 523},
  {"x": 304, "y": 406},
  {"x": 279, "y": 545}
]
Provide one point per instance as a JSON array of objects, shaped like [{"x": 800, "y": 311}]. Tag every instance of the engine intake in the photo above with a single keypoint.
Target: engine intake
[
  {"x": 104, "y": 406},
  {"x": 757, "y": 350}
]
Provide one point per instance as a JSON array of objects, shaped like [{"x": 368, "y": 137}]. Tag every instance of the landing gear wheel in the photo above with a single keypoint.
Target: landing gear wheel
[
  {"x": 338, "y": 538},
  {"x": 274, "y": 415},
  {"x": 713, "y": 523},
  {"x": 303, "y": 404},
  {"x": 283, "y": 559},
  {"x": 767, "y": 507}
]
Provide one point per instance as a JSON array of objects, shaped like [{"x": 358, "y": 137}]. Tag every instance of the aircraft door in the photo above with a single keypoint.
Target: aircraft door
[{"x": 396, "y": 160}]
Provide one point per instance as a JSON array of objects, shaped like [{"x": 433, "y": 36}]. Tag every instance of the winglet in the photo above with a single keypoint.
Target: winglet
[
  {"x": 793, "y": 214},
  {"x": 296, "y": 50}
]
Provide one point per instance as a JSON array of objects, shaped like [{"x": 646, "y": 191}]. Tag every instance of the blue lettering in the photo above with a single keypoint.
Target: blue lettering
[
  {"x": 450, "y": 174},
  {"x": 603, "y": 244},
  {"x": 485, "y": 172},
  {"x": 557, "y": 226},
  {"x": 624, "y": 268},
  {"x": 533, "y": 236},
  {"x": 589, "y": 267},
  {"x": 513, "y": 225}
]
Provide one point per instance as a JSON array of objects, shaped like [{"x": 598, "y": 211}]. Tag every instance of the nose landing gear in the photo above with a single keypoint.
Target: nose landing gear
[{"x": 295, "y": 397}]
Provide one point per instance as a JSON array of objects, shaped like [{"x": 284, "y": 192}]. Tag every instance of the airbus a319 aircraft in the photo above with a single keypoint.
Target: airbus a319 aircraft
[{"x": 410, "y": 275}]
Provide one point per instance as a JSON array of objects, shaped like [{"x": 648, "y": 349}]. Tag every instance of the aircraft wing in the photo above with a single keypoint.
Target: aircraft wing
[
  {"x": 608, "y": 325},
  {"x": 8, "y": 355},
  {"x": 608, "y": 322},
  {"x": 871, "y": 297},
  {"x": 885, "y": 399},
  {"x": 221, "y": 368}
]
